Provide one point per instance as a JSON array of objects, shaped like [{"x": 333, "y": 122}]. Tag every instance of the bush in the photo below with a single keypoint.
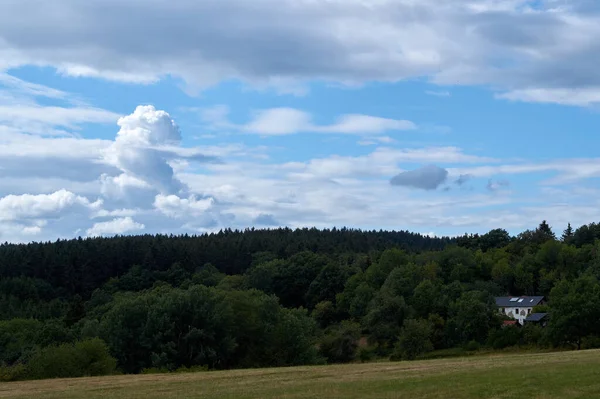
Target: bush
[
  {"x": 590, "y": 342},
  {"x": 533, "y": 334},
  {"x": 12, "y": 373},
  {"x": 472, "y": 346},
  {"x": 339, "y": 343},
  {"x": 366, "y": 354},
  {"x": 82, "y": 359},
  {"x": 414, "y": 340},
  {"x": 505, "y": 337}
]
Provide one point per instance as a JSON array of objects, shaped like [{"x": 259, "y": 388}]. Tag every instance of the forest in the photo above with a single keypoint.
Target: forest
[{"x": 282, "y": 297}]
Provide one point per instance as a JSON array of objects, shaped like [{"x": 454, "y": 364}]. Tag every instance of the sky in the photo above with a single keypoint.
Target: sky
[{"x": 160, "y": 116}]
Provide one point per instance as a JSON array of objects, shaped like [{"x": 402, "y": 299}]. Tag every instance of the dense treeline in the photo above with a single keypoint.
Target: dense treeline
[
  {"x": 80, "y": 266},
  {"x": 283, "y": 297}
]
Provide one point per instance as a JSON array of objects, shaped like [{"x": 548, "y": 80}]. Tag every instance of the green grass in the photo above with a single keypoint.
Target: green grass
[{"x": 544, "y": 375}]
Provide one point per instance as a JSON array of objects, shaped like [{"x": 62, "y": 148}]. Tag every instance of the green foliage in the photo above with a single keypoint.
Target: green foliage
[
  {"x": 414, "y": 340},
  {"x": 533, "y": 335},
  {"x": 339, "y": 343},
  {"x": 378, "y": 272},
  {"x": 18, "y": 340},
  {"x": 325, "y": 314},
  {"x": 505, "y": 337},
  {"x": 385, "y": 319},
  {"x": 366, "y": 354},
  {"x": 427, "y": 299},
  {"x": 15, "y": 372},
  {"x": 327, "y": 284},
  {"x": 574, "y": 311},
  {"x": 207, "y": 275},
  {"x": 472, "y": 316},
  {"x": 84, "y": 358},
  {"x": 283, "y": 297}
]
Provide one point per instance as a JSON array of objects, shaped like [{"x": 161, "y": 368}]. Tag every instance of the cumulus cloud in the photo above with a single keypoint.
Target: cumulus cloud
[
  {"x": 427, "y": 177},
  {"x": 115, "y": 226},
  {"x": 509, "y": 45},
  {"x": 43, "y": 206},
  {"x": 174, "y": 206},
  {"x": 134, "y": 150}
]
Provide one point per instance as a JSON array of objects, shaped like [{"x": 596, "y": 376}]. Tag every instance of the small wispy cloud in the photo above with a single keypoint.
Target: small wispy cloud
[{"x": 496, "y": 185}]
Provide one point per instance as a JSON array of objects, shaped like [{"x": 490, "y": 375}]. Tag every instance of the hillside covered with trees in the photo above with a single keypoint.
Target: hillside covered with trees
[{"x": 283, "y": 297}]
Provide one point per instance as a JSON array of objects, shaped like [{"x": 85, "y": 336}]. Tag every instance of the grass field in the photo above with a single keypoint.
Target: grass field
[{"x": 549, "y": 375}]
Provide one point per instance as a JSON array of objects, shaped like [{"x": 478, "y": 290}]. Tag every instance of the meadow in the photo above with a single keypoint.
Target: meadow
[{"x": 542, "y": 375}]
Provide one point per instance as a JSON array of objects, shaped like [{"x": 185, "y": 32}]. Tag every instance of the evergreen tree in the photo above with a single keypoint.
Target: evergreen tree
[{"x": 567, "y": 236}]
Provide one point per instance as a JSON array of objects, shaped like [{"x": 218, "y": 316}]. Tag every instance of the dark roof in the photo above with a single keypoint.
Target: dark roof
[
  {"x": 536, "y": 316},
  {"x": 509, "y": 322},
  {"x": 518, "y": 301}
]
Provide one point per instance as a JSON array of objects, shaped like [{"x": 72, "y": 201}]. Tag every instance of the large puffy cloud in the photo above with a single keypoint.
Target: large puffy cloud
[
  {"x": 523, "y": 47},
  {"x": 174, "y": 206},
  {"x": 134, "y": 150},
  {"x": 115, "y": 226},
  {"x": 43, "y": 206}
]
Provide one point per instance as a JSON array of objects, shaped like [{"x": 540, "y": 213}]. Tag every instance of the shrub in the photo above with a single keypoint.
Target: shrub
[
  {"x": 533, "y": 334},
  {"x": 12, "y": 373},
  {"x": 414, "y": 340},
  {"x": 590, "y": 342},
  {"x": 339, "y": 343},
  {"x": 84, "y": 358},
  {"x": 505, "y": 337},
  {"x": 472, "y": 346},
  {"x": 366, "y": 354}
]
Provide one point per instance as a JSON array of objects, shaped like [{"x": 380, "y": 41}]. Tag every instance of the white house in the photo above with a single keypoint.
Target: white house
[{"x": 519, "y": 308}]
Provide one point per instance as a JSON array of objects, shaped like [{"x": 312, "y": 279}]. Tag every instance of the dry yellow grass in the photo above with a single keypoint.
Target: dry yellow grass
[{"x": 548, "y": 375}]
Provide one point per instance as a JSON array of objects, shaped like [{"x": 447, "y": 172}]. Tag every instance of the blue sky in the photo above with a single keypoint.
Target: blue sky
[{"x": 191, "y": 116}]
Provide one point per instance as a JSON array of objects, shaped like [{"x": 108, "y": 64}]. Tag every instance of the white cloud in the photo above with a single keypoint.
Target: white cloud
[
  {"x": 176, "y": 207},
  {"x": 20, "y": 87},
  {"x": 365, "y": 124},
  {"x": 284, "y": 121},
  {"x": 22, "y": 116},
  {"x": 135, "y": 154},
  {"x": 20, "y": 111},
  {"x": 532, "y": 46},
  {"x": 279, "y": 121},
  {"x": 43, "y": 206},
  {"x": 115, "y": 226},
  {"x": 32, "y": 230},
  {"x": 565, "y": 96}
]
